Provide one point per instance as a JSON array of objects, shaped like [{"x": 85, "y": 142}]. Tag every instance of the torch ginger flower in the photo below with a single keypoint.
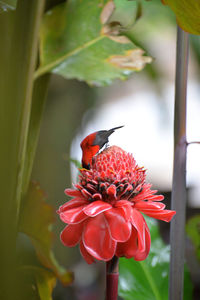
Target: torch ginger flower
[{"x": 105, "y": 214}]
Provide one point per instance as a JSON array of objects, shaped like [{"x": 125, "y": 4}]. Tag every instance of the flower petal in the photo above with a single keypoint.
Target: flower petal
[
  {"x": 97, "y": 196},
  {"x": 96, "y": 207},
  {"x": 97, "y": 239},
  {"x": 88, "y": 258},
  {"x": 120, "y": 229},
  {"x": 129, "y": 248},
  {"x": 71, "y": 234},
  {"x": 139, "y": 223},
  {"x": 155, "y": 197},
  {"x": 72, "y": 204},
  {"x": 142, "y": 255},
  {"x": 148, "y": 205},
  {"x": 164, "y": 215},
  {"x": 74, "y": 215},
  {"x": 86, "y": 194},
  {"x": 72, "y": 193},
  {"x": 126, "y": 206},
  {"x": 112, "y": 191}
]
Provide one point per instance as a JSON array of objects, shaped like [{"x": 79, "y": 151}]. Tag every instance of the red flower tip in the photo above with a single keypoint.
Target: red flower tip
[{"x": 105, "y": 215}]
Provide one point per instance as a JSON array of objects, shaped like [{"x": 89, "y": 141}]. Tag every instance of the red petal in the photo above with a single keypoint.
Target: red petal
[
  {"x": 96, "y": 196},
  {"x": 155, "y": 197},
  {"x": 164, "y": 215},
  {"x": 129, "y": 248},
  {"x": 72, "y": 204},
  {"x": 86, "y": 194},
  {"x": 143, "y": 255},
  {"x": 96, "y": 207},
  {"x": 88, "y": 258},
  {"x": 148, "y": 205},
  {"x": 126, "y": 206},
  {"x": 72, "y": 193},
  {"x": 139, "y": 223},
  {"x": 111, "y": 190},
  {"x": 120, "y": 229},
  {"x": 97, "y": 239},
  {"x": 71, "y": 234},
  {"x": 74, "y": 215}
]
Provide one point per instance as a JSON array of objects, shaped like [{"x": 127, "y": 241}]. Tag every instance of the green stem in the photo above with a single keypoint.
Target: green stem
[
  {"x": 18, "y": 62},
  {"x": 38, "y": 103},
  {"x": 28, "y": 18}
]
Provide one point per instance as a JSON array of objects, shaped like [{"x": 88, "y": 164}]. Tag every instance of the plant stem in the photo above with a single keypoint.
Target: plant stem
[
  {"x": 112, "y": 275},
  {"x": 17, "y": 69},
  {"x": 177, "y": 230},
  {"x": 38, "y": 102}
]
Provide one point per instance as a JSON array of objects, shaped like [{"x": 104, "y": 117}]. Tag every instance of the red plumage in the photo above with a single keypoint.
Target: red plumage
[{"x": 93, "y": 143}]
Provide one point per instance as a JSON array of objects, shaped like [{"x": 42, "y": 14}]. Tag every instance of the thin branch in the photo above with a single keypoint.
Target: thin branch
[
  {"x": 177, "y": 233},
  {"x": 194, "y": 142}
]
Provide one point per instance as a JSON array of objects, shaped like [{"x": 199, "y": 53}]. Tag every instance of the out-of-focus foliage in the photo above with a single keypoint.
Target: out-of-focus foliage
[
  {"x": 6, "y": 5},
  {"x": 78, "y": 40},
  {"x": 36, "y": 220},
  {"x": 38, "y": 282},
  {"x": 187, "y": 14},
  {"x": 193, "y": 231},
  {"x": 148, "y": 279}
]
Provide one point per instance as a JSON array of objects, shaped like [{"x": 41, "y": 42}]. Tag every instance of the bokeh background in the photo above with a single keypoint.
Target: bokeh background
[{"x": 144, "y": 105}]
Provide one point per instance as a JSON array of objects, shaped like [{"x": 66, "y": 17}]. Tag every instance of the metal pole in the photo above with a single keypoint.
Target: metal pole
[{"x": 177, "y": 230}]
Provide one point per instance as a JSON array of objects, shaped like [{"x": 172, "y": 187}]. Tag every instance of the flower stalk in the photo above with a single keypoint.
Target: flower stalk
[{"x": 112, "y": 276}]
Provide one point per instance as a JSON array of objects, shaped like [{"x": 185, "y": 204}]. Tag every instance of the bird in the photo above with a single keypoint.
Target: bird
[{"x": 92, "y": 143}]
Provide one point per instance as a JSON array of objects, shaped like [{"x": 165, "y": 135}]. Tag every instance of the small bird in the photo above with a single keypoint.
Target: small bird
[{"x": 93, "y": 143}]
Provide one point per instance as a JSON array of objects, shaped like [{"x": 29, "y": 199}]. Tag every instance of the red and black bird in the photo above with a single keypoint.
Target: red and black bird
[{"x": 93, "y": 143}]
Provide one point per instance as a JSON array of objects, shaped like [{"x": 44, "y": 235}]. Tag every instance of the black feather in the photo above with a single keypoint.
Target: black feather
[{"x": 102, "y": 136}]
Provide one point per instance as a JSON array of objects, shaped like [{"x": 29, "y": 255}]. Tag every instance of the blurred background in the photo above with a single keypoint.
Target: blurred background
[{"x": 144, "y": 105}]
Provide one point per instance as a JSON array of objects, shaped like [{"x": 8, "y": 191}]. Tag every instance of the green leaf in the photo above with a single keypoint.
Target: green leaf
[
  {"x": 193, "y": 231},
  {"x": 76, "y": 163},
  {"x": 187, "y": 13},
  {"x": 40, "y": 282},
  {"x": 126, "y": 12},
  {"x": 77, "y": 41},
  {"x": 46, "y": 282},
  {"x": 148, "y": 279},
  {"x": 36, "y": 220},
  {"x": 6, "y": 5}
]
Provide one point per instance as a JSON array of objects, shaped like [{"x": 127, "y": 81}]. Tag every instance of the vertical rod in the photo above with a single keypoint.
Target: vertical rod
[{"x": 177, "y": 229}]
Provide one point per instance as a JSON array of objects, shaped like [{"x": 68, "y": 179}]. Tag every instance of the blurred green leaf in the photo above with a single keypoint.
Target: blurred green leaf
[
  {"x": 36, "y": 220},
  {"x": 6, "y": 5},
  {"x": 148, "y": 279},
  {"x": 193, "y": 231},
  {"x": 76, "y": 163},
  {"x": 126, "y": 12},
  {"x": 46, "y": 282},
  {"x": 78, "y": 40},
  {"x": 39, "y": 282},
  {"x": 187, "y": 13}
]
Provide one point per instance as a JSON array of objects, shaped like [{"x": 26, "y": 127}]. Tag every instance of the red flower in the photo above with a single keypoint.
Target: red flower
[{"x": 104, "y": 216}]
